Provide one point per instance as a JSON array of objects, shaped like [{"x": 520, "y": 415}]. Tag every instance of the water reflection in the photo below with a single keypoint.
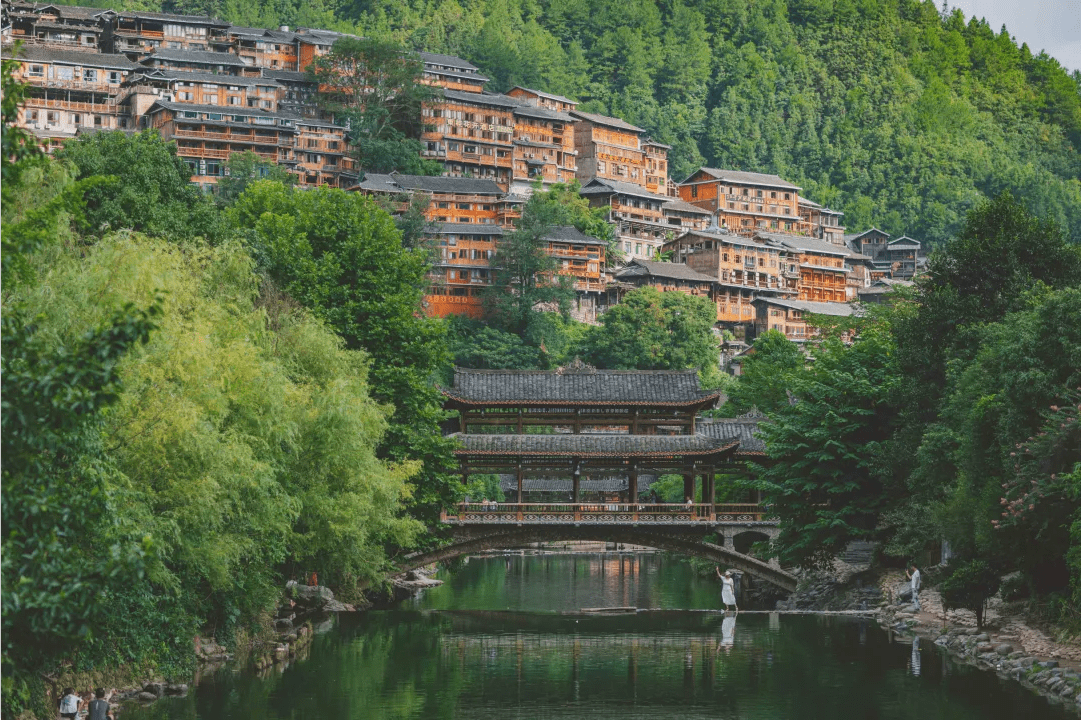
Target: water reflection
[{"x": 484, "y": 661}]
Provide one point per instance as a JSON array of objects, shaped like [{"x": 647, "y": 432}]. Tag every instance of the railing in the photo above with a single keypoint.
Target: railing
[
  {"x": 603, "y": 513},
  {"x": 101, "y": 108}
]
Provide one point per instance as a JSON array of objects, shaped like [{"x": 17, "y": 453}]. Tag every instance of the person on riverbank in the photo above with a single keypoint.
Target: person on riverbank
[
  {"x": 914, "y": 575},
  {"x": 99, "y": 707},
  {"x": 70, "y": 704},
  {"x": 728, "y": 589}
]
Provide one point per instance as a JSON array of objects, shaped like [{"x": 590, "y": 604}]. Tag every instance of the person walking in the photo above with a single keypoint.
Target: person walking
[
  {"x": 70, "y": 704},
  {"x": 99, "y": 707},
  {"x": 728, "y": 589},
  {"x": 914, "y": 575}
]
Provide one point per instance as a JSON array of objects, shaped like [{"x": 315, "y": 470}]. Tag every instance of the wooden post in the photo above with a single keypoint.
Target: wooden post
[
  {"x": 520, "y": 474},
  {"x": 519, "y": 424},
  {"x": 688, "y": 485},
  {"x": 463, "y": 421},
  {"x": 632, "y": 488},
  {"x": 634, "y": 422},
  {"x": 577, "y": 476},
  {"x": 577, "y": 421},
  {"x": 712, "y": 497}
]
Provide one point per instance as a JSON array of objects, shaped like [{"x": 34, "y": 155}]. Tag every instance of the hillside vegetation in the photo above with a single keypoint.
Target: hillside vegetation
[{"x": 889, "y": 110}]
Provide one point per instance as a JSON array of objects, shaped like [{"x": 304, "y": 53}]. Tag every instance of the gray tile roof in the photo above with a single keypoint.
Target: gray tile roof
[
  {"x": 803, "y": 242},
  {"x": 810, "y": 306},
  {"x": 482, "y": 98},
  {"x": 740, "y": 429},
  {"x": 902, "y": 241},
  {"x": 656, "y": 143},
  {"x": 604, "y": 186},
  {"x": 749, "y": 178},
  {"x": 210, "y": 78},
  {"x": 591, "y": 445},
  {"x": 437, "y": 184},
  {"x": 528, "y": 110},
  {"x": 466, "y": 228},
  {"x": 550, "y": 96},
  {"x": 605, "y": 120},
  {"x": 857, "y": 236},
  {"x": 195, "y": 56},
  {"x": 167, "y": 17},
  {"x": 592, "y": 387},
  {"x": 675, "y": 271},
  {"x": 287, "y": 75},
  {"x": 73, "y": 57},
  {"x": 677, "y": 205},
  {"x": 571, "y": 234},
  {"x": 447, "y": 60}
]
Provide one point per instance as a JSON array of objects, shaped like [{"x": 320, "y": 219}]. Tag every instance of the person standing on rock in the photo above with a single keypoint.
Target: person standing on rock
[
  {"x": 914, "y": 576},
  {"x": 728, "y": 589}
]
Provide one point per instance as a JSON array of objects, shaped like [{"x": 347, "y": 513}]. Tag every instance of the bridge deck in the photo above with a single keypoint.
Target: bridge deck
[{"x": 698, "y": 514}]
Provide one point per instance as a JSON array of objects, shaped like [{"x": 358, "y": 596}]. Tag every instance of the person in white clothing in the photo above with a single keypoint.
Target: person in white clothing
[
  {"x": 914, "y": 576},
  {"x": 728, "y": 589},
  {"x": 70, "y": 704}
]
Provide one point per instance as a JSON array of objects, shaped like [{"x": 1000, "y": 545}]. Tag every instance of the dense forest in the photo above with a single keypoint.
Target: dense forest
[{"x": 897, "y": 113}]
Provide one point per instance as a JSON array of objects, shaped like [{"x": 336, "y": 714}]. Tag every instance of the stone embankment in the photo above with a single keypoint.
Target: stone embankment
[
  {"x": 1005, "y": 645},
  {"x": 304, "y": 611}
]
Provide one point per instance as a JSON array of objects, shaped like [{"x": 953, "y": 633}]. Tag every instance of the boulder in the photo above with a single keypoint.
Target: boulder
[
  {"x": 1049, "y": 664},
  {"x": 1004, "y": 649},
  {"x": 311, "y": 597},
  {"x": 177, "y": 689},
  {"x": 157, "y": 688},
  {"x": 337, "y": 606},
  {"x": 283, "y": 624},
  {"x": 146, "y": 696}
]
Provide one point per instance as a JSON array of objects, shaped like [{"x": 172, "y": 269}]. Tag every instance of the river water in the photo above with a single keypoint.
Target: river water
[{"x": 504, "y": 639}]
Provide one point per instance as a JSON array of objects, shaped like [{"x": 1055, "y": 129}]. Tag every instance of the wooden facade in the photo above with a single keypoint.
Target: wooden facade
[
  {"x": 638, "y": 215},
  {"x": 791, "y": 317},
  {"x": 472, "y": 134},
  {"x": 822, "y": 267},
  {"x": 745, "y": 202},
  {"x": 599, "y": 423}
]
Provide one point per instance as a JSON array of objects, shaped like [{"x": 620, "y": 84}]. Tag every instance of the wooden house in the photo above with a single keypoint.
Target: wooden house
[
  {"x": 665, "y": 277},
  {"x": 472, "y": 134},
  {"x": 822, "y": 222},
  {"x": 138, "y": 33},
  {"x": 793, "y": 317},
  {"x": 902, "y": 254},
  {"x": 59, "y": 26},
  {"x": 638, "y": 215},
  {"x": 745, "y": 202},
  {"x": 823, "y": 271},
  {"x": 262, "y": 48},
  {"x": 452, "y": 73},
  {"x": 609, "y": 149}
]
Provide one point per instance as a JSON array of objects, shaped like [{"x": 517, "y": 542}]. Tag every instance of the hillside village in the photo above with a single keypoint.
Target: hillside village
[{"x": 766, "y": 256}]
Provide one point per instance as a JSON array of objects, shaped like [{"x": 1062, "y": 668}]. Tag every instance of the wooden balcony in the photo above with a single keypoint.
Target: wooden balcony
[{"x": 100, "y": 108}]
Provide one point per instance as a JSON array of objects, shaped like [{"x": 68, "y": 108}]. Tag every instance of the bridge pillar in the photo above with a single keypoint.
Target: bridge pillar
[
  {"x": 688, "y": 485},
  {"x": 632, "y": 484}
]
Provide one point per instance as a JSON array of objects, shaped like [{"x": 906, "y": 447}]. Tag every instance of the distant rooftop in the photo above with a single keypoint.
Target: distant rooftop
[
  {"x": 749, "y": 178},
  {"x": 605, "y": 120},
  {"x": 674, "y": 271}
]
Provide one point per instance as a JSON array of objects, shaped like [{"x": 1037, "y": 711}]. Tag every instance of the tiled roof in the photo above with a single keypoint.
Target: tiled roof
[
  {"x": 810, "y": 306},
  {"x": 741, "y": 429},
  {"x": 436, "y": 184},
  {"x": 604, "y": 186},
  {"x": 482, "y": 98},
  {"x": 287, "y": 75},
  {"x": 647, "y": 268},
  {"x": 678, "y": 205},
  {"x": 528, "y": 110},
  {"x": 466, "y": 228},
  {"x": 196, "y": 56},
  {"x": 593, "y": 387},
  {"x": 571, "y": 234},
  {"x": 750, "y": 178},
  {"x": 605, "y": 120},
  {"x": 803, "y": 242},
  {"x": 656, "y": 143},
  {"x": 904, "y": 240},
  {"x": 447, "y": 60},
  {"x": 591, "y": 445},
  {"x": 550, "y": 96},
  {"x": 167, "y": 17},
  {"x": 73, "y": 57},
  {"x": 857, "y": 236},
  {"x": 211, "y": 78}
]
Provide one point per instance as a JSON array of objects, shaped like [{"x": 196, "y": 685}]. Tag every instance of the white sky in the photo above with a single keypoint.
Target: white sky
[{"x": 1050, "y": 25}]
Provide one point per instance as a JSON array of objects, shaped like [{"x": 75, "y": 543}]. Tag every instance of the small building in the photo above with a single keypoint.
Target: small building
[
  {"x": 610, "y": 149},
  {"x": 665, "y": 277},
  {"x": 791, "y": 316},
  {"x": 58, "y": 26},
  {"x": 822, "y": 267},
  {"x": 197, "y": 61},
  {"x": 746, "y": 202},
  {"x": 637, "y": 213},
  {"x": 452, "y": 73},
  {"x": 138, "y": 33},
  {"x": 903, "y": 257},
  {"x": 822, "y": 222},
  {"x": 681, "y": 216}
]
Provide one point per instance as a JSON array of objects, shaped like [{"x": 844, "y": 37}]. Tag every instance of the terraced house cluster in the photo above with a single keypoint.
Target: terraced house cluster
[{"x": 765, "y": 255}]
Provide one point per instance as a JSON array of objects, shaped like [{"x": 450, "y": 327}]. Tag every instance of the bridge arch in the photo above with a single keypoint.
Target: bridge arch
[
  {"x": 510, "y": 537},
  {"x": 742, "y": 541}
]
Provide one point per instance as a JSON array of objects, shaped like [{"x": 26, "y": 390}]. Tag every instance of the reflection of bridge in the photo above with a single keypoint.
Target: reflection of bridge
[{"x": 598, "y": 439}]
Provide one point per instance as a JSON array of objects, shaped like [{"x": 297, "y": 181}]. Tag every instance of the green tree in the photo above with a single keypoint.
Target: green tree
[
  {"x": 376, "y": 85},
  {"x": 145, "y": 186},
  {"x": 243, "y": 168},
  {"x": 769, "y": 371},
  {"x": 970, "y": 585},
  {"x": 524, "y": 276},
  {"x": 651, "y": 330},
  {"x": 339, "y": 255}
]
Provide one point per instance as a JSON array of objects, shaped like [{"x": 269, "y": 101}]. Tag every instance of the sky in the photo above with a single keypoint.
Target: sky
[{"x": 1051, "y": 25}]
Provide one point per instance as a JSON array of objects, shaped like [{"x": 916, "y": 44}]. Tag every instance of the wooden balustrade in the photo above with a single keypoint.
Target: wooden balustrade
[{"x": 606, "y": 513}]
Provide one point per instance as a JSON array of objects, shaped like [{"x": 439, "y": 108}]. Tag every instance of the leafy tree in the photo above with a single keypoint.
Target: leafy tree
[
  {"x": 339, "y": 255},
  {"x": 651, "y": 330},
  {"x": 476, "y": 345},
  {"x": 243, "y": 168},
  {"x": 376, "y": 86},
  {"x": 524, "y": 276},
  {"x": 970, "y": 585},
  {"x": 146, "y": 187},
  {"x": 827, "y": 480},
  {"x": 767, "y": 375}
]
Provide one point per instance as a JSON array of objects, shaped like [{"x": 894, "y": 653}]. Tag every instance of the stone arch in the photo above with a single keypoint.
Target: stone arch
[
  {"x": 742, "y": 541},
  {"x": 689, "y": 545}
]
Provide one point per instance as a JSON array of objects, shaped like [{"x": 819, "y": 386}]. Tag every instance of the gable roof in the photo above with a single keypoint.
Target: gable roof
[
  {"x": 677, "y": 205},
  {"x": 203, "y": 77},
  {"x": 438, "y": 184},
  {"x": 674, "y": 271},
  {"x": 604, "y": 186},
  {"x": 803, "y": 242},
  {"x": 571, "y": 234},
  {"x": 200, "y": 57},
  {"x": 740, "y": 429},
  {"x": 904, "y": 240},
  {"x": 810, "y": 306},
  {"x": 83, "y": 58},
  {"x": 447, "y": 60},
  {"x": 550, "y": 96},
  {"x": 857, "y": 236},
  {"x": 748, "y": 178},
  {"x": 605, "y": 120},
  {"x": 578, "y": 387}
]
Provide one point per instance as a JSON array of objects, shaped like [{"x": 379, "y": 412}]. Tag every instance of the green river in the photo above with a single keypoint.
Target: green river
[{"x": 503, "y": 639}]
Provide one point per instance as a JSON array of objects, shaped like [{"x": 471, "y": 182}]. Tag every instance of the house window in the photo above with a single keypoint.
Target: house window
[
  {"x": 36, "y": 71},
  {"x": 90, "y": 75}
]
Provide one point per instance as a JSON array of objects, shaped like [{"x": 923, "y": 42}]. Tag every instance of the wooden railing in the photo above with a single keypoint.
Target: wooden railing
[{"x": 603, "y": 513}]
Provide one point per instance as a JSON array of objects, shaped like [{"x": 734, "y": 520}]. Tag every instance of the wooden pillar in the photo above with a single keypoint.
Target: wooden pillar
[
  {"x": 711, "y": 497},
  {"x": 632, "y": 483},
  {"x": 577, "y": 476},
  {"x": 688, "y": 485},
  {"x": 577, "y": 421},
  {"x": 519, "y": 424},
  {"x": 463, "y": 421},
  {"x": 520, "y": 477},
  {"x": 634, "y": 422}
]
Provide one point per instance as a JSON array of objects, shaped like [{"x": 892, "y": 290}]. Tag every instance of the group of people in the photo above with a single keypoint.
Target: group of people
[
  {"x": 487, "y": 504},
  {"x": 97, "y": 709}
]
